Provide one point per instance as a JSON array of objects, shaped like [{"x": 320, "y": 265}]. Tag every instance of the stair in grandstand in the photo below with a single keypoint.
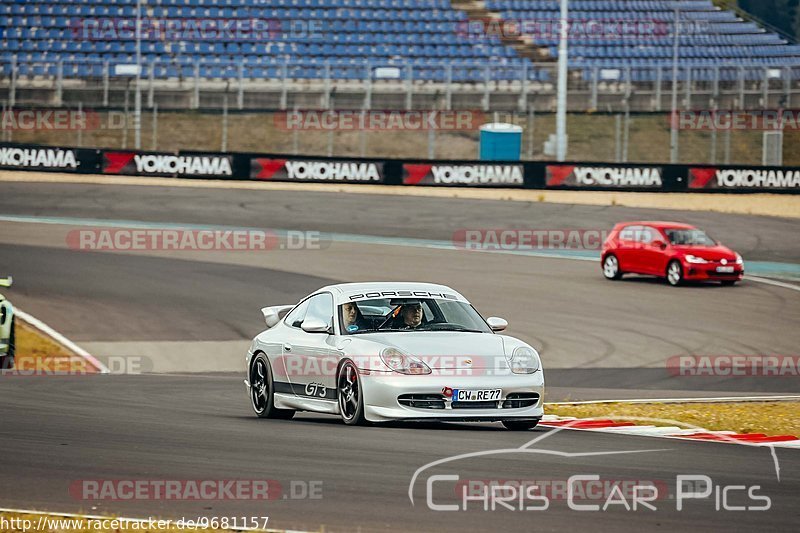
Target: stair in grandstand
[{"x": 493, "y": 24}]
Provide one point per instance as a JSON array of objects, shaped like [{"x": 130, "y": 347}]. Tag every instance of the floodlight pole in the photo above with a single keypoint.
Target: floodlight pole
[
  {"x": 561, "y": 114},
  {"x": 673, "y": 139},
  {"x": 137, "y": 103}
]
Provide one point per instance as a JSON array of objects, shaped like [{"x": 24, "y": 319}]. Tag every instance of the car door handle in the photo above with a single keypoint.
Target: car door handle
[{"x": 287, "y": 347}]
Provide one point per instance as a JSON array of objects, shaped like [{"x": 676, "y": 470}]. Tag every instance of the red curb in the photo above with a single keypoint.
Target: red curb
[{"x": 741, "y": 438}]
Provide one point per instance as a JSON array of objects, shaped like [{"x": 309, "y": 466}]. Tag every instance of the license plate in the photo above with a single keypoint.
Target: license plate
[
  {"x": 725, "y": 270},
  {"x": 486, "y": 395}
]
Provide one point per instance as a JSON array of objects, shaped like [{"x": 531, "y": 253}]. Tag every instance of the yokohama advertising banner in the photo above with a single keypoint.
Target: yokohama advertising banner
[
  {"x": 600, "y": 176},
  {"x": 49, "y": 158},
  {"x": 744, "y": 179},
  {"x": 185, "y": 165},
  {"x": 469, "y": 175},
  {"x": 266, "y": 168}
]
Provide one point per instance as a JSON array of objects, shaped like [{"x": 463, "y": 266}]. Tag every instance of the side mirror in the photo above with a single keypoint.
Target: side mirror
[
  {"x": 497, "y": 323},
  {"x": 271, "y": 316},
  {"x": 314, "y": 325},
  {"x": 659, "y": 244}
]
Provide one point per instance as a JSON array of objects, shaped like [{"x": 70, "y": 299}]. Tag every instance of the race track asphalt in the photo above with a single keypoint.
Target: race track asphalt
[
  {"x": 756, "y": 237},
  {"x": 163, "y": 305},
  {"x": 60, "y": 431},
  {"x": 186, "y": 312}
]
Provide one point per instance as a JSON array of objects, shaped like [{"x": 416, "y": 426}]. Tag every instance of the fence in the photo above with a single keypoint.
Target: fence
[
  {"x": 236, "y": 106},
  {"x": 490, "y": 86},
  {"x": 617, "y": 137}
]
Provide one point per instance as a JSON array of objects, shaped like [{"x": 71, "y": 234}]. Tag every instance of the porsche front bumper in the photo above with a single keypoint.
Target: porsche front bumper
[{"x": 392, "y": 396}]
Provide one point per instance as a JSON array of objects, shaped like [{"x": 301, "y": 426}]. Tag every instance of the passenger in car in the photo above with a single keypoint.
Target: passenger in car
[{"x": 352, "y": 319}]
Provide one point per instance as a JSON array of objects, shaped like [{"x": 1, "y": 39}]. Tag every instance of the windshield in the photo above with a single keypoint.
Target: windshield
[
  {"x": 689, "y": 237},
  {"x": 418, "y": 314}
]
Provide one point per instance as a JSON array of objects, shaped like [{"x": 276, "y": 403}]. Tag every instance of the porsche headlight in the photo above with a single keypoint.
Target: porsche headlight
[
  {"x": 739, "y": 260},
  {"x": 523, "y": 360},
  {"x": 695, "y": 260},
  {"x": 403, "y": 363}
]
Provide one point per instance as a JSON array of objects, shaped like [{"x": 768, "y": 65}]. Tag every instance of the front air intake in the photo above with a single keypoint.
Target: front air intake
[
  {"x": 422, "y": 401},
  {"x": 520, "y": 400}
]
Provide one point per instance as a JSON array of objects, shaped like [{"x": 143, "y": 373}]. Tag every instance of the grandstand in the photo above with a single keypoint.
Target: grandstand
[
  {"x": 404, "y": 47},
  {"x": 709, "y": 37}
]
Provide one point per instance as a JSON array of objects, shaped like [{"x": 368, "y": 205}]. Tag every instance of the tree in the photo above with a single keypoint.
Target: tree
[{"x": 783, "y": 14}]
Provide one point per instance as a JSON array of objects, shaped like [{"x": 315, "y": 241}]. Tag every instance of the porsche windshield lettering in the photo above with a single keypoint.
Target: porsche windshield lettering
[{"x": 401, "y": 294}]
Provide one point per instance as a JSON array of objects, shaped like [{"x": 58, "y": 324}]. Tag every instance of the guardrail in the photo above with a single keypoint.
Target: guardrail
[{"x": 461, "y": 173}]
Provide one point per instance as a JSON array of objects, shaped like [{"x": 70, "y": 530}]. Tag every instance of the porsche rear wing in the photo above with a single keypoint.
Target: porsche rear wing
[
  {"x": 273, "y": 315},
  {"x": 6, "y": 282}
]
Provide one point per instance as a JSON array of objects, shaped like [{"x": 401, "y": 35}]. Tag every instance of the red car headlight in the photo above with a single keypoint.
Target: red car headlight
[{"x": 693, "y": 259}]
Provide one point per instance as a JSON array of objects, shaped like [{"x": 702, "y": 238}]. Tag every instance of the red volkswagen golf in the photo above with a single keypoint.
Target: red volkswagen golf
[{"x": 677, "y": 252}]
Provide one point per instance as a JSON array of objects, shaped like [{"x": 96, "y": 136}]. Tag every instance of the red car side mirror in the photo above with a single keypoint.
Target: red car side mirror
[{"x": 660, "y": 244}]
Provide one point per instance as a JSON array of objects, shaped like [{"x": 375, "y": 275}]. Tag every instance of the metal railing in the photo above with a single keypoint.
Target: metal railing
[
  {"x": 230, "y": 96},
  {"x": 183, "y": 84}
]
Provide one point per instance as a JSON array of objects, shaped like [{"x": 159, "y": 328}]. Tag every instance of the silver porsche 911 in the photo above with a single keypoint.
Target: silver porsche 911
[{"x": 376, "y": 352}]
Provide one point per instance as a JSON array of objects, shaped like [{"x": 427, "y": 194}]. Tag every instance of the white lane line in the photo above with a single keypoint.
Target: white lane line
[
  {"x": 345, "y": 237},
  {"x": 788, "y": 444},
  {"x": 667, "y": 430},
  {"x": 725, "y": 399},
  {"x": 773, "y": 282},
  {"x": 405, "y": 242},
  {"x": 61, "y": 339}
]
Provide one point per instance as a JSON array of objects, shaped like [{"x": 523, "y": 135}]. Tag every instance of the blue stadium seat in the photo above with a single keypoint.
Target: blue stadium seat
[{"x": 349, "y": 34}]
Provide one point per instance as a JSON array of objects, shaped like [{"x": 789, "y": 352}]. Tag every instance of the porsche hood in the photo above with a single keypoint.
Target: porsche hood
[{"x": 444, "y": 349}]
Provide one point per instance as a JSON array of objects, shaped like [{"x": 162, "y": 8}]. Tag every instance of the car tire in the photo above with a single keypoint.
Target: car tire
[
  {"x": 674, "y": 273},
  {"x": 349, "y": 394},
  {"x": 611, "y": 268},
  {"x": 262, "y": 391},
  {"x": 729, "y": 282},
  {"x": 520, "y": 425},
  {"x": 7, "y": 361}
]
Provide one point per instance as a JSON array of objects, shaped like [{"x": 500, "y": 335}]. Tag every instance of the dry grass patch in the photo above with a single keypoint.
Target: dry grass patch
[
  {"x": 771, "y": 418},
  {"x": 38, "y": 354}
]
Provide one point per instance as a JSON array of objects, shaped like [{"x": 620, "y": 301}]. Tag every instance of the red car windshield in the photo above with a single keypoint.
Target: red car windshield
[{"x": 689, "y": 237}]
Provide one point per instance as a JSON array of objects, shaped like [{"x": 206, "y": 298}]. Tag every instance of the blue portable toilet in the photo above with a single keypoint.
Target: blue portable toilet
[{"x": 500, "y": 142}]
